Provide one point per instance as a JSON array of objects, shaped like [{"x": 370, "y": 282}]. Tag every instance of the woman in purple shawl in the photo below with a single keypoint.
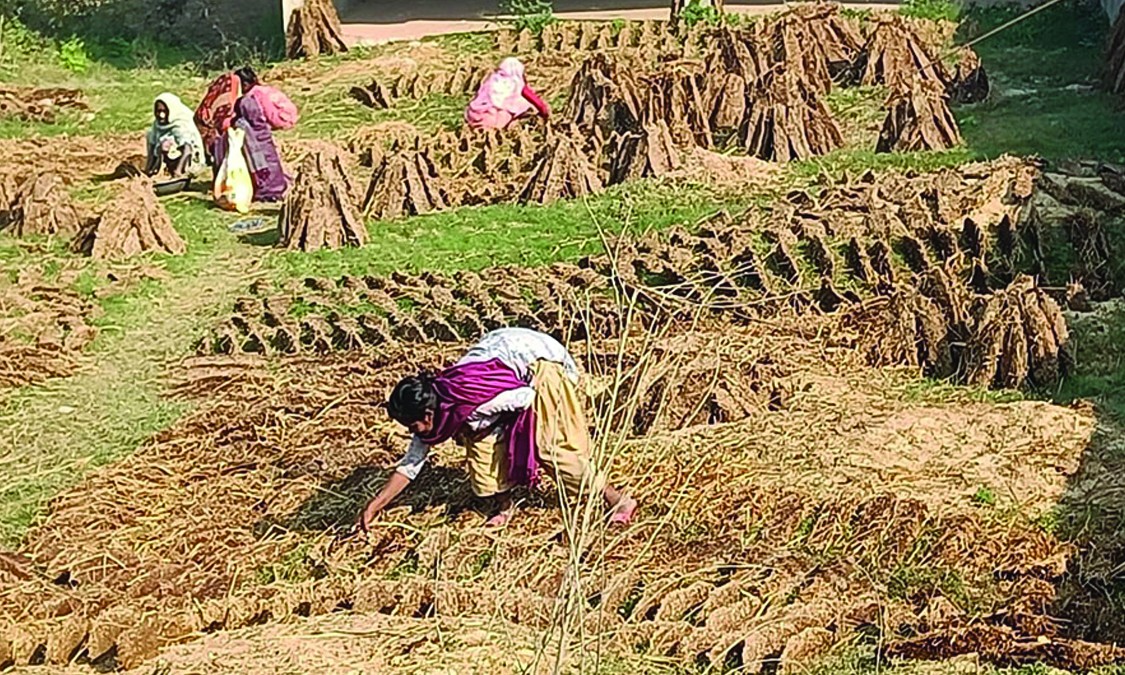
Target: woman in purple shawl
[
  {"x": 270, "y": 181},
  {"x": 512, "y": 403}
]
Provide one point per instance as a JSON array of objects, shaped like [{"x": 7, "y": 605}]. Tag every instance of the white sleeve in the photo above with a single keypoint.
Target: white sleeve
[
  {"x": 513, "y": 400},
  {"x": 414, "y": 459}
]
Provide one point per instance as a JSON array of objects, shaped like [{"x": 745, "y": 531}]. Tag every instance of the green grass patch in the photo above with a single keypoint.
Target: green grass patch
[
  {"x": 853, "y": 162},
  {"x": 1044, "y": 72},
  {"x": 505, "y": 234},
  {"x": 984, "y": 496},
  {"x": 942, "y": 392}
]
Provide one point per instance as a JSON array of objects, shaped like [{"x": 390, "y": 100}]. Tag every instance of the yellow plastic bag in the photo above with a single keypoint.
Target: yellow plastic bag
[{"x": 234, "y": 190}]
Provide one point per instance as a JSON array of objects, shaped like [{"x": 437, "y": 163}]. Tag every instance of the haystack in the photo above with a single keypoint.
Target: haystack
[
  {"x": 918, "y": 118},
  {"x": 314, "y": 29},
  {"x": 1115, "y": 62},
  {"x": 1019, "y": 338},
  {"x": 969, "y": 83},
  {"x": 321, "y": 210},
  {"x": 405, "y": 183},
  {"x": 561, "y": 171},
  {"x": 895, "y": 56},
  {"x": 135, "y": 222},
  {"x": 42, "y": 206},
  {"x": 788, "y": 120},
  {"x": 650, "y": 152}
]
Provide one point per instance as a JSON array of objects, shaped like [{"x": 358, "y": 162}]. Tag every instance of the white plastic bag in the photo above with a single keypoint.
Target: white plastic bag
[{"x": 234, "y": 189}]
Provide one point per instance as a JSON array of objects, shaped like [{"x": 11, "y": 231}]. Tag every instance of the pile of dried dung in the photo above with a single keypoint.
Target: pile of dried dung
[
  {"x": 134, "y": 222},
  {"x": 1002, "y": 644},
  {"x": 284, "y": 451},
  {"x": 674, "y": 95},
  {"x": 1020, "y": 336},
  {"x": 788, "y": 120},
  {"x": 562, "y": 171},
  {"x": 896, "y": 56},
  {"x": 814, "y": 40},
  {"x": 969, "y": 83},
  {"x": 356, "y": 313},
  {"x": 41, "y": 206},
  {"x": 733, "y": 65},
  {"x": 322, "y": 209},
  {"x": 568, "y": 37},
  {"x": 43, "y": 324},
  {"x": 603, "y": 98},
  {"x": 903, "y": 328},
  {"x": 1115, "y": 57},
  {"x": 314, "y": 29},
  {"x": 416, "y": 85},
  {"x": 918, "y": 118},
  {"x": 39, "y": 105},
  {"x": 649, "y": 152},
  {"x": 406, "y": 183}
]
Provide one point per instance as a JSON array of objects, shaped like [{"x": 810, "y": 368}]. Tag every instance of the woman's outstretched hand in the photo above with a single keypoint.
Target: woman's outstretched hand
[{"x": 394, "y": 485}]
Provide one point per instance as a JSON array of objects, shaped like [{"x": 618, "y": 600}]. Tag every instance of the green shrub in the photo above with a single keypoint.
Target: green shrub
[
  {"x": 532, "y": 15},
  {"x": 73, "y": 56},
  {"x": 695, "y": 13},
  {"x": 949, "y": 10}
]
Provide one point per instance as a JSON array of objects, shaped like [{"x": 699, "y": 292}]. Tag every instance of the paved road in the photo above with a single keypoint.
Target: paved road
[{"x": 373, "y": 21}]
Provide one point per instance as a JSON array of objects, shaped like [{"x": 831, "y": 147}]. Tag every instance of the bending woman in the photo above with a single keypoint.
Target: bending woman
[
  {"x": 173, "y": 141},
  {"x": 512, "y": 403},
  {"x": 270, "y": 181},
  {"x": 503, "y": 97}
]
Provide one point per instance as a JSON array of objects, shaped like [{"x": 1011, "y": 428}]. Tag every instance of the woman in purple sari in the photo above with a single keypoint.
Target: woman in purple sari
[
  {"x": 512, "y": 403},
  {"x": 270, "y": 181}
]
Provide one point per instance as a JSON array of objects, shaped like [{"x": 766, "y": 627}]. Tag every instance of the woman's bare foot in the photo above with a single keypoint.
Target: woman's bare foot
[
  {"x": 623, "y": 511},
  {"x": 504, "y": 512}
]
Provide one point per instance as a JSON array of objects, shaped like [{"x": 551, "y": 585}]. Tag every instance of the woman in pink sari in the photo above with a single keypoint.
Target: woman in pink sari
[{"x": 504, "y": 96}]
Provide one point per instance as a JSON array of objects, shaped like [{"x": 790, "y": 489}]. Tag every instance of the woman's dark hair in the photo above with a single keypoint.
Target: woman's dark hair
[
  {"x": 247, "y": 76},
  {"x": 412, "y": 398}
]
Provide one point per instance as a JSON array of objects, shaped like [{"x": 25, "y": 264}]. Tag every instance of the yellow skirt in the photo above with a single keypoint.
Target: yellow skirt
[{"x": 561, "y": 436}]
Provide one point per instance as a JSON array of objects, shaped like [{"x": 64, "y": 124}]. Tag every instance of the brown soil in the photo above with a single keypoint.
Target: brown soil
[
  {"x": 712, "y": 168},
  {"x": 322, "y": 208},
  {"x": 314, "y": 29},
  {"x": 134, "y": 222},
  {"x": 41, "y": 206},
  {"x": 39, "y": 105},
  {"x": 918, "y": 118}
]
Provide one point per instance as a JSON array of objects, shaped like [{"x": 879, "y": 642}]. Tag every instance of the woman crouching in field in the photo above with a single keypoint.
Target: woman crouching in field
[
  {"x": 504, "y": 97},
  {"x": 512, "y": 403}
]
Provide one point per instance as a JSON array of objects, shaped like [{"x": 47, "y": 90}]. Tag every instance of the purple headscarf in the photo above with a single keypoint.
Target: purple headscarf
[{"x": 464, "y": 387}]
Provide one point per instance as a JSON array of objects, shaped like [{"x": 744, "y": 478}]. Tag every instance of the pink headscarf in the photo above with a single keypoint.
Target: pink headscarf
[{"x": 501, "y": 92}]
